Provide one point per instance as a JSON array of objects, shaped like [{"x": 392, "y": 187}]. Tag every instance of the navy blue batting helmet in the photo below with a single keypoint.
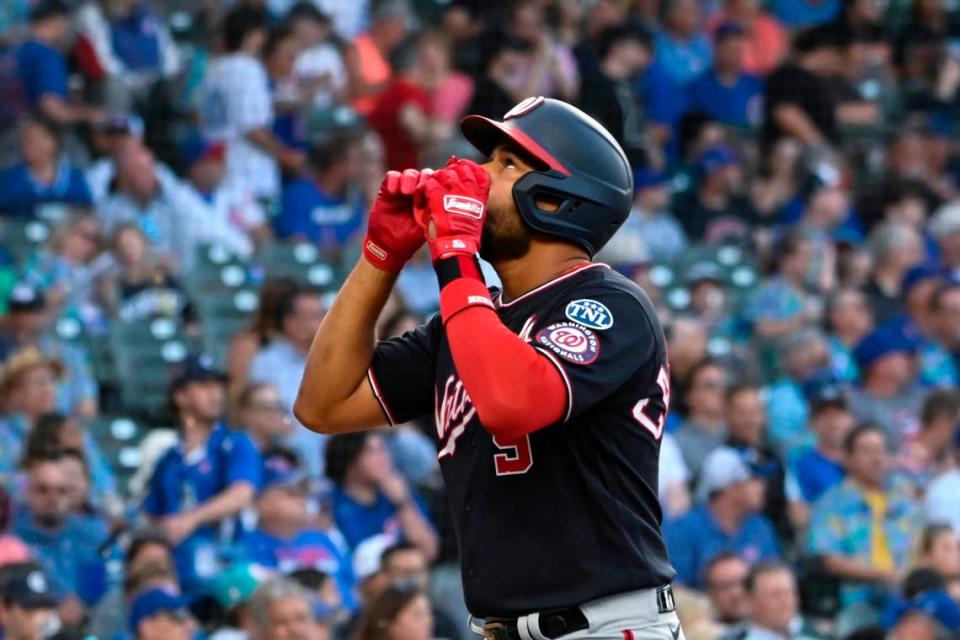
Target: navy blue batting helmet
[{"x": 585, "y": 170}]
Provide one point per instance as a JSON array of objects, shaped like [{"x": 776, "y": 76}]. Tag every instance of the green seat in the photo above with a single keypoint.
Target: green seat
[
  {"x": 224, "y": 314},
  {"x": 301, "y": 261},
  {"x": 23, "y": 237},
  {"x": 145, "y": 355},
  {"x": 216, "y": 269},
  {"x": 115, "y": 432}
]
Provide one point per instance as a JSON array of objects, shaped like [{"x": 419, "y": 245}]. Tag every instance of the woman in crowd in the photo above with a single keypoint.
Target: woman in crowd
[{"x": 401, "y": 612}]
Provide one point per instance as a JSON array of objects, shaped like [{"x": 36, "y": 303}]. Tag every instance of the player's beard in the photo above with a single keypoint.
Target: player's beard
[{"x": 505, "y": 236}]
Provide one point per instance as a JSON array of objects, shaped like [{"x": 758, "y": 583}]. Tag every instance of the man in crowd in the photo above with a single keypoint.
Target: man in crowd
[
  {"x": 774, "y": 605},
  {"x": 727, "y": 519},
  {"x": 819, "y": 468},
  {"x": 864, "y": 527},
  {"x": 704, "y": 427},
  {"x": 158, "y": 614},
  {"x": 203, "y": 482},
  {"x": 726, "y": 92},
  {"x": 282, "y": 609},
  {"x": 724, "y": 580},
  {"x": 28, "y": 605}
]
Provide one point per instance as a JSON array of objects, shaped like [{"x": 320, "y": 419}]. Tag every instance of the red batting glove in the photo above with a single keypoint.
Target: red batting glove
[
  {"x": 454, "y": 199},
  {"x": 393, "y": 235}
]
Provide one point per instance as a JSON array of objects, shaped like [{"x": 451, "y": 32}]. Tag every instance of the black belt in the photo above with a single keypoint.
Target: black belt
[{"x": 560, "y": 622}]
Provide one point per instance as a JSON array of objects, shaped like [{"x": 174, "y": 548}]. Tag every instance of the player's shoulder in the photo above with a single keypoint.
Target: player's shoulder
[{"x": 602, "y": 288}]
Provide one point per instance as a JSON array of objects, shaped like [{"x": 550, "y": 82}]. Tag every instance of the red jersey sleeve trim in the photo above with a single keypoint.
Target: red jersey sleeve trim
[{"x": 379, "y": 396}]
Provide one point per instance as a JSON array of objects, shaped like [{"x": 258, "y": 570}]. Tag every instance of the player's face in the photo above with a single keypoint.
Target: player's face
[{"x": 505, "y": 236}]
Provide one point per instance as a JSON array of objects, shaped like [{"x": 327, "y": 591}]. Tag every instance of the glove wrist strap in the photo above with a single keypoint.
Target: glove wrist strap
[
  {"x": 461, "y": 285},
  {"x": 450, "y": 246}
]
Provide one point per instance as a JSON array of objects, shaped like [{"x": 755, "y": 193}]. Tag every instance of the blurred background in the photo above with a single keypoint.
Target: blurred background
[{"x": 184, "y": 188}]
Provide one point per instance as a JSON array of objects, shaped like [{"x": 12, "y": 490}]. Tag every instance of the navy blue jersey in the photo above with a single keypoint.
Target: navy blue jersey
[{"x": 570, "y": 513}]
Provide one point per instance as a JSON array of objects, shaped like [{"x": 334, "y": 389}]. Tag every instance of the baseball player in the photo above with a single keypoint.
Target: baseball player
[{"x": 548, "y": 396}]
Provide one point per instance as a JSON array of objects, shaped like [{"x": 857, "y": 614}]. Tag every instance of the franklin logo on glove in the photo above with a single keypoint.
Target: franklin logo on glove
[{"x": 463, "y": 206}]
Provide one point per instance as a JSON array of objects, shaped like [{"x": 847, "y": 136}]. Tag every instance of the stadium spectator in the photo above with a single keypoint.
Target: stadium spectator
[
  {"x": 673, "y": 479},
  {"x": 727, "y": 519},
  {"x": 895, "y": 248},
  {"x": 714, "y": 211},
  {"x": 111, "y": 137},
  {"x": 888, "y": 394},
  {"x": 401, "y": 612},
  {"x": 324, "y": 207},
  {"x": 688, "y": 340},
  {"x": 232, "y": 590},
  {"x": 938, "y": 549},
  {"x": 704, "y": 427},
  {"x": 804, "y": 13},
  {"x": 368, "y": 62},
  {"x": 289, "y": 99},
  {"x": 774, "y": 605},
  {"x": 281, "y": 362},
  {"x": 200, "y": 485},
  {"x": 623, "y": 53},
  {"x": 724, "y": 581},
  {"x": 682, "y": 49},
  {"x": 945, "y": 230},
  {"x": 319, "y": 67},
  {"x": 726, "y": 92},
  {"x": 940, "y": 498},
  {"x": 450, "y": 90},
  {"x": 28, "y": 605},
  {"x": 263, "y": 328},
  {"x": 235, "y": 212},
  {"x": 849, "y": 320},
  {"x": 147, "y": 563},
  {"x": 551, "y": 70},
  {"x": 767, "y": 40},
  {"x": 45, "y": 182},
  {"x": 64, "y": 543},
  {"x": 863, "y": 528},
  {"x": 818, "y": 468},
  {"x": 369, "y": 498},
  {"x": 138, "y": 285},
  {"x": 926, "y": 453},
  {"x": 282, "y": 609},
  {"x": 159, "y": 614},
  {"x": 502, "y": 55},
  {"x": 286, "y": 538},
  {"x": 651, "y": 229},
  {"x": 776, "y": 188},
  {"x": 237, "y": 108},
  {"x": 263, "y": 416}
]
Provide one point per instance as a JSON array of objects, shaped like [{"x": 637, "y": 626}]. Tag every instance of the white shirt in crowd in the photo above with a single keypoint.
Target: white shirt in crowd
[
  {"x": 320, "y": 60},
  {"x": 236, "y": 100},
  {"x": 672, "y": 470},
  {"x": 234, "y": 215},
  {"x": 940, "y": 501}
]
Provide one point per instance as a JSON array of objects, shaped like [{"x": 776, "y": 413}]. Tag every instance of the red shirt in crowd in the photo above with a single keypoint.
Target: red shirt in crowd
[{"x": 402, "y": 151}]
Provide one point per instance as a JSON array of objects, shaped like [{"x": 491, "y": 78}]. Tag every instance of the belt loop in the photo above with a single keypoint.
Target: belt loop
[{"x": 529, "y": 627}]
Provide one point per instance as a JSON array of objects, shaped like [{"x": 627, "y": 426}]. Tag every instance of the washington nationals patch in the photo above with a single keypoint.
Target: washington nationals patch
[{"x": 570, "y": 341}]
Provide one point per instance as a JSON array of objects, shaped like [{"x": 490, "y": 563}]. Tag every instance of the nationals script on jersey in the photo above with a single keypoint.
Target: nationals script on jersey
[{"x": 578, "y": 497}]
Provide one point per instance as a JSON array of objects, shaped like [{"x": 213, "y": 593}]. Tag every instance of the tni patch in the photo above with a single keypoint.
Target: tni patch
[{"x": 570, "y": 341}]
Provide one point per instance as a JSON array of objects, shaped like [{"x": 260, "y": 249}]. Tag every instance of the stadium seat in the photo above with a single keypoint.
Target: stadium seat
[
  {"x": 222, "y": 315},
  {"x": 301, "y": 261},
  {"x": 23, "y": 237},
  {"x": 216, "y": 268},
  {"x": 146, "y": 354}
]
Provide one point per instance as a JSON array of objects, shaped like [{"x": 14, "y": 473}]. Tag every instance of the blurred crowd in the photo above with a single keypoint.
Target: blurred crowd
[{"x": 183, "y": 186}]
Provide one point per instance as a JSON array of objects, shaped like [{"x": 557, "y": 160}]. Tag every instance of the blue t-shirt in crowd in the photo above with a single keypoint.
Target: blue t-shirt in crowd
[
  {"x": 20, "y": 193},
  {"x": 182, "y": 480},
  {"x": 358, "y": 522},
  {"x": 804, "y": 13},
  {"x": 43, "y": 71},
  {"x": 136, "y": 40},
  {"x": 683, "y": 60},
  {"x": 695, "y": 538},
  {"x": 738, "y": 105},
  {"x": 307, "y": 212},
  {"x": 815, "y": 473},
  {"x": 310, "y": 549}
]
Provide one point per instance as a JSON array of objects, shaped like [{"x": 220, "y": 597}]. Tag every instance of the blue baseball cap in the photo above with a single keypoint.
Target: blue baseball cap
[
  {"x": 728, "y": 29},
  {"x": 197, "y": 367},
  {"x": 882, "y": 342},
  {"x": 646, "y": 178},
  {"x": 715, "y": 158},
  {"x": 282, "y": 467},
  {"x": 917, "y": 275},
  {"x": 934, "y": 603},
  {"x": 197, "y": 148},
  {"x": 155, "y": 601}
]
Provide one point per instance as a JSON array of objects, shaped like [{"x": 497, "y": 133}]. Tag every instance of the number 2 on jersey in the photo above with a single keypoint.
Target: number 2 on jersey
[{"x": 650, "y": 416}]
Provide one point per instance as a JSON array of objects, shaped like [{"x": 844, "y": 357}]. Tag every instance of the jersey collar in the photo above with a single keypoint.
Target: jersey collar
[{"x": 563, "y": 276}]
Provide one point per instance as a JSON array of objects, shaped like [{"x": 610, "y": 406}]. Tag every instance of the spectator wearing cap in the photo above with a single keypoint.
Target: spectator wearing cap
[
  {"x": 64, "y": 543},
  {"x": 895, "y": 248},
  {"x": 766, "y": 39},
  {"x": 323, "y": 207},
  {"x": 368, "y": 66},
  {"x": 704, "y": 426},
  {"x": 724, "y": 582},
  {"x": 281, "y": 609},
  {"x": 40, "y": 83},
  {"x": 651, "y": 231},
  {"x": 27, "y": 324},
  {"x": 682, "y": 49},
  {"x": 28, "y": 606},
  {"x": 940, "y": 498},
  {"x": 232, "y": 589},
  {"x": 864, "y": 527},
  {"x": 805, "y": 365},
  {"x": 238, "y": 110},
  {"x": 402, "y": 113},
  {"x": 774, "y": 606},
  {"x": 888, "y": 394},
  {"x": 281, "y": 363},
  {"x": 820, "y": 467},
  {"x": 747, "y": 433},
  {"x": 319, "y": 65},
  {"x": 159, "y": 614},
  {"x": 369, "y": 498},
  {"x": 728, "y": 518},
  {"x": 624, "y": 53},
  {"x": 44, "y": 181},
  {"x": 125, "y": 48},
  {"x": 726, "y": 92},
  {"x": 926, "y": 453},
  {"x": 147, "y": 563},
  {"x": 286, "y": 538},
  {"x": 203, "y": 482},
  {"x": 849, "y": 320},
  {"x": 238, "y": 222},
  {"x": 714, "y": 211}
]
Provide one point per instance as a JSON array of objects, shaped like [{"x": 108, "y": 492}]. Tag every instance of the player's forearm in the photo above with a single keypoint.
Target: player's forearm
[{"x": 342, "y": 351}]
